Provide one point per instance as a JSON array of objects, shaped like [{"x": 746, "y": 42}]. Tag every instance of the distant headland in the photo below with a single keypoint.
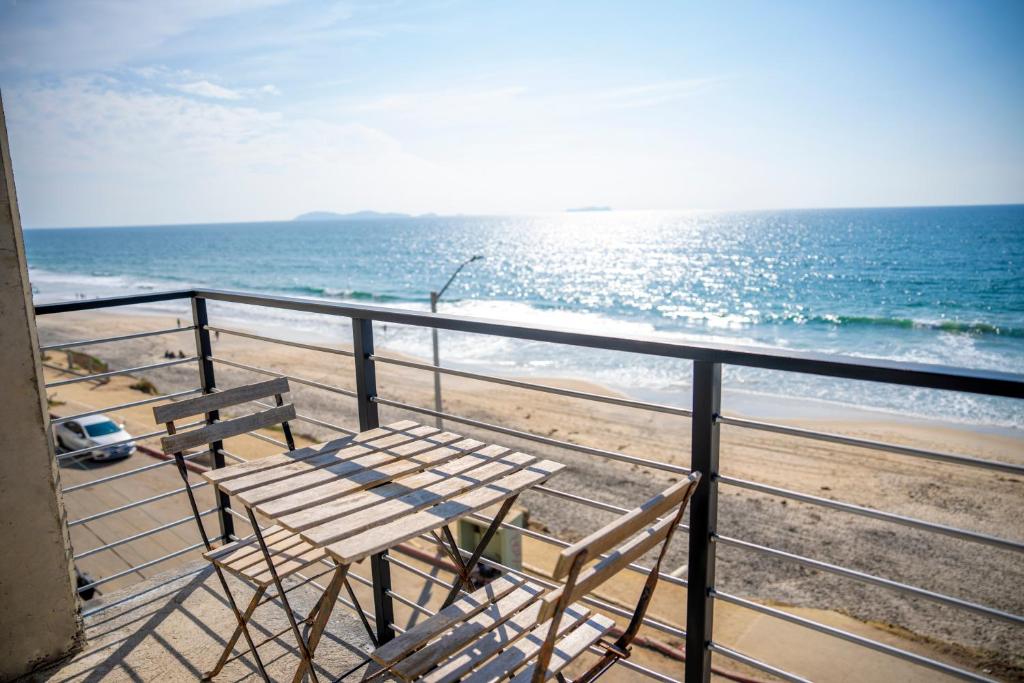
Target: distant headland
[{"x": 357, "y": 216}]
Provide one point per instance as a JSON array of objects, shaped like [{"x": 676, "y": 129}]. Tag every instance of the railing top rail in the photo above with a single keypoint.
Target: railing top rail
[{"x": 989, "y": 382}]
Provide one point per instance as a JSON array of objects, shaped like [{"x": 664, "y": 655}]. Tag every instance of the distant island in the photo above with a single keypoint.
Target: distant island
[
  {"x": 357, "y": 216},
  {"x": 584, "y": 209}
]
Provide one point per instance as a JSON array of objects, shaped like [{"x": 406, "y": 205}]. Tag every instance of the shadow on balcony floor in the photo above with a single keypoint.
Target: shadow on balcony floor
[{"x": 176, "y": 632}]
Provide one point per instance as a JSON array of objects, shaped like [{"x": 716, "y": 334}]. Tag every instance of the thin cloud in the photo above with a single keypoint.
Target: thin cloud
[
  {"x": 209, "y": 90},
  {"x": 654, "y": 94}
]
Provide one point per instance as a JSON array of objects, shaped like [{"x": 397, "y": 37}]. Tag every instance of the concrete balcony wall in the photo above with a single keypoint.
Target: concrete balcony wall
[{"x": 39, "y": 613}]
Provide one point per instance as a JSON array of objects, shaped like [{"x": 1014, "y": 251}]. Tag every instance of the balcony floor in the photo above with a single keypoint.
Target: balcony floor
[{"x": 177, "y": 631}]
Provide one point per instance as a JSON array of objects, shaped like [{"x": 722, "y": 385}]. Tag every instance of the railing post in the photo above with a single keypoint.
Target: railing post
[
  {"x": 208, "y": 382},
  {"x": 707, "y": 400},
  {"x": 366, "y": 391}
]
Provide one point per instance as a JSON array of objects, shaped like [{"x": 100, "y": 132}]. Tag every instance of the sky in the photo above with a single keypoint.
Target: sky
[{"x": 196, "y": 111}]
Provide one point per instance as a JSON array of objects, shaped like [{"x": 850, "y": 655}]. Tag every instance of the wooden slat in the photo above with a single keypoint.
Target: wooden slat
[
  {"x": 607, "y": 537},
  {"x": 466, "y": 632},
  {"x": 567, "y": 649},
  {"x": 591, "y": 578},
  {"x": 225, "y": 429},
  {"x": 415, "y": 500},
  {"x": 311, "y": 473},
  {"x": 364, "y": 478},
  {"x": 325, "y": 512},
  {"x": 219, "y": 400},
  {"x": 240, "y": 548},
  {"x": 462, "y": 609},
  {"x": 322, "y": 459},
  {"x": 515, "y": 652},
  {"x": 288, "y": 564},
  {"x": 388, "y": 535},
  {"x": 270, "y": 462}
]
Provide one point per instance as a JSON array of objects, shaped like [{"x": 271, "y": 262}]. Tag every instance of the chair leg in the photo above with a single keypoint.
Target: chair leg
[
  {"x": 230, "y": 645},
  {"x": 242, "y": 624},
  {"x": 326, "y": 606},
  {"x": 303, "y": 650}
]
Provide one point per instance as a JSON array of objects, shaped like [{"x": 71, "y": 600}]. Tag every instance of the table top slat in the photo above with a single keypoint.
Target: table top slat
[
  {"x": 239, "y": 485},
  {"x": 365, "y": 478},
  {"x": 416, "y": 500},
  {"x": 322, "y": 513},
  {"x": 388, "y": 535},
  {"x": 307, "y": 474}
]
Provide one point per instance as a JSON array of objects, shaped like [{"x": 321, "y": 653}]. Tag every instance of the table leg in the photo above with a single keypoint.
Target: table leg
[
  {"x": 326, "y": 603},
  {"x": 481, "y": 546}
]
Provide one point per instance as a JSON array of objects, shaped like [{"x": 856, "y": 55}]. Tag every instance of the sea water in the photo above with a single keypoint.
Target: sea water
[{"x": 929, "y": 285}]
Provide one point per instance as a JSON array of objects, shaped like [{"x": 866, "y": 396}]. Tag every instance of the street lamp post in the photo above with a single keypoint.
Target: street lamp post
[{"x": 434, "y": 298}]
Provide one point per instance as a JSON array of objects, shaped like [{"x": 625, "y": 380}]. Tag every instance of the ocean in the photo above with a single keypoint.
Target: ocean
[{"x": 934, "y": 285}]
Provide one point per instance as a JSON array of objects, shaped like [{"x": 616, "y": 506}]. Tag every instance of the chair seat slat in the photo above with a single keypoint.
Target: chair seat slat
[
  {"x": 465, "y": 607},
  {"x": 467, "y": 632}
]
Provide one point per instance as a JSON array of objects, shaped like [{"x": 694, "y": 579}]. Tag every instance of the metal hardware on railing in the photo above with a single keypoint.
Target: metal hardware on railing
[
  {"x": 876, "y": 580},
  {"x": 135, "y": 504},
  {"x": 140, "y": 535},
  {"x": 122, "y": 406},
  {"x": 142, "y": 437},
  {"x": 268, "y": 439},
  {"x": 129, "y": 473},
  {"x": 755, "y": 663},
  {"x": 850, "y": 637},
  {"x": 208, "y": 382},
  {"x": 291, "y": 378},
  {"x": 955, "y": 532},
  {"x": 705, "y": 420},
  {"x": 136, "y": 568},
  {"x": 530, "y": 436},
  {"x": 873, "y": 445},
  {"x": 104, "y": 340},
  {"x": 283, "y": 342},
  {"x": 571, "y": 393},
  {"x": 707, "y": 401},
  {"x": 366, "y": 392},
  {"x": 126, "y": 371}
]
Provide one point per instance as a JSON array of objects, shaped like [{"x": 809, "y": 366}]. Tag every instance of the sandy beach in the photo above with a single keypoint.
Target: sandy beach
[{"x": 958, "y": 496}]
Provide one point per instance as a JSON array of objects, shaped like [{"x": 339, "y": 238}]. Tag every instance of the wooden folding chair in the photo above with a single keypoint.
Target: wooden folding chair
[
  {"x": 515, "y": 628},
  {"x": 268, "y": 555}
]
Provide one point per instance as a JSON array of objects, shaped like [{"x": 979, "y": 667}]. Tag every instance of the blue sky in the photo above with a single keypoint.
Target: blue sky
[{"x": 198, "y": 111}]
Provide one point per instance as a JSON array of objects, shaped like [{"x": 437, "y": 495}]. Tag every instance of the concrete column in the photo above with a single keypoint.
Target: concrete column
[{"x": 39, "y": 610}]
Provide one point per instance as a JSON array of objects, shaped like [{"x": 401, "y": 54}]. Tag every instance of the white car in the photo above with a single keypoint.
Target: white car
[{"x": 95, "y": 431}]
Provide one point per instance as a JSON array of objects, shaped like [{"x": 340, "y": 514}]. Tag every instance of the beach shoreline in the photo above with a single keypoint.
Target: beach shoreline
[{"x": 747, "y": 404}]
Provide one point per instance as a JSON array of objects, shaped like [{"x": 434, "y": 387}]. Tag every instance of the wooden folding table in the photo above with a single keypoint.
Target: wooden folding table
[{"x": 356, "y": 496}]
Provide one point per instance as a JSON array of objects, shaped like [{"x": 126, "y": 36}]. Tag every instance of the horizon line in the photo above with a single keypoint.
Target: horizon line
[{"x": 523, "y": 213}]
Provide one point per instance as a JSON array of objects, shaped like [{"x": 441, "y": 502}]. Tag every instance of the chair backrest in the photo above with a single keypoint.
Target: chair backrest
[
  {"x": 628, "y": 538},
  {"x": 209, "y": 404}
]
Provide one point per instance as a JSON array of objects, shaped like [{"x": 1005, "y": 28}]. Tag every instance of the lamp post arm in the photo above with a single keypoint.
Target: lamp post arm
[{"x": 458, "y": 270}]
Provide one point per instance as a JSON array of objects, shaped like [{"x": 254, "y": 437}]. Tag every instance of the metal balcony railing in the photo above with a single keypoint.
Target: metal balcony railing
[{"x": 705, "y": 417}]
